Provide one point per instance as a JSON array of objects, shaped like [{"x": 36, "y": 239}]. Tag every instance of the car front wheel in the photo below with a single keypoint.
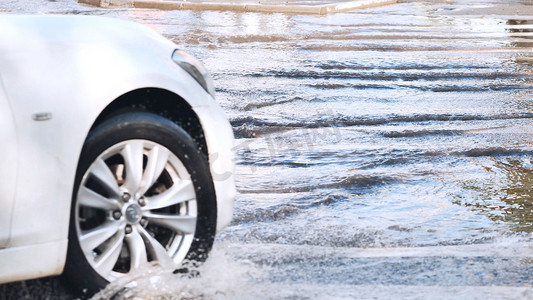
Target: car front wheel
[{"x": 143, "y": 194}]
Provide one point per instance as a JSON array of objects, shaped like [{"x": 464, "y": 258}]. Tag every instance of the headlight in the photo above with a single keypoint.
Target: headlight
[{"x": 196, "y": 69}]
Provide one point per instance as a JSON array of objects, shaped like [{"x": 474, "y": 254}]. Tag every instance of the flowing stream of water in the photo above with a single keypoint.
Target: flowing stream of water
[{"x": 382, "y": 153}]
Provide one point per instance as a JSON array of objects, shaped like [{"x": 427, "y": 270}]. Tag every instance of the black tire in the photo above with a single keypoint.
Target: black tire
[{"x": 154, "y": 129}]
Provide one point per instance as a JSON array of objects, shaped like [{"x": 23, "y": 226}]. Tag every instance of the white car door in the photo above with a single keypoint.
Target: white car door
[{"x": 8, "y": 166}]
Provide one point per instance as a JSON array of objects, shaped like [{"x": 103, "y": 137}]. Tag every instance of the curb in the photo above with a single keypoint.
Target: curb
[{"x": 243, "y": 7}]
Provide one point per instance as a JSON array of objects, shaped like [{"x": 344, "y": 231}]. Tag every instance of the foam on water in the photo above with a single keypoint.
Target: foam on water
[{"x": 220, "y": 277}]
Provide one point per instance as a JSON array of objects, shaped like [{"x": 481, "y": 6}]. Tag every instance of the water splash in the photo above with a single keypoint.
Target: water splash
[{"x": 220, "y": 277}]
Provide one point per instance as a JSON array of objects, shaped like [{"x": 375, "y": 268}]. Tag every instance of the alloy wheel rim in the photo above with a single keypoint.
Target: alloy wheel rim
[{"x": 136, "y": 205}]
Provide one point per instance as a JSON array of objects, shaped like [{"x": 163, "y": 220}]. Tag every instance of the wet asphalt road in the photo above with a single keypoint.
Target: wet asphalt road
[{"x": 381, "y": 153}]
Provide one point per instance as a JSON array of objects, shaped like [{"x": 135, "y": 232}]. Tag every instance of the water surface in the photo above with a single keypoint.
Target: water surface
[{"x": 382, "y": 153}]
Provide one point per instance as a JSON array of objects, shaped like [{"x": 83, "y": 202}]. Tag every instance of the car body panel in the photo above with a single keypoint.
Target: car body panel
[
  {"x": 69, "y": 69},
  {"x": 221, "y": 159},
  {"x": 39, "y": 260},
  {"x": 8, "y": 171}
]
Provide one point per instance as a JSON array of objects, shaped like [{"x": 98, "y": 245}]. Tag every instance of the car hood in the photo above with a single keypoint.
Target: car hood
[{"x": 18, "y": 33}]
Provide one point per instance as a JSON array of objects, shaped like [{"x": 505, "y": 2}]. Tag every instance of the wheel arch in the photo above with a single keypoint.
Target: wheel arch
[{"x": 160, "y": 102}]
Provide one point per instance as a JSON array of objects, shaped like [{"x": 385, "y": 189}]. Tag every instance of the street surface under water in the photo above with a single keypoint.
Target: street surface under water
[{"x": 382, "y": 153}]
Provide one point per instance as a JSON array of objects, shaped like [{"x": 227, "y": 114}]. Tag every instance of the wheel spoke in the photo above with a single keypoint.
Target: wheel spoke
[
  {"x": 101, "y": 171},
  {"x": 156, "y": 249},
  {"x": 157, "y": 160},
  {"x": 133, "y": 160},
  {"x": 183, "y": 224},
  {"x": 179, "y": 192},
  {"x": 93, "y": 238},
  {"x": 137, "y": 249},
  {"x": 108, "y": 259},
  {"x": 87, "y": 197}
]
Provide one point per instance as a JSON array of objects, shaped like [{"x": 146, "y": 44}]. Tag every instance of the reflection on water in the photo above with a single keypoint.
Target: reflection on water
[
  {"x": 510, "y": 198},
  {"x": 521, "y": 30},
  {"x": 519, "y": 195}
]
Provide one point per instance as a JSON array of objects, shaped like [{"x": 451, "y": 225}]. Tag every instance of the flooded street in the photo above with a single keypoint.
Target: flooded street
[{"x": 381, "y": 154}]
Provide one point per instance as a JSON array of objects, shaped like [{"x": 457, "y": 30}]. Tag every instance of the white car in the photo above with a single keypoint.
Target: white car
[{"x": 114, "y": 152}]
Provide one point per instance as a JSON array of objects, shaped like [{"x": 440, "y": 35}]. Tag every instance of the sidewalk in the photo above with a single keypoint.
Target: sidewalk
[{"x": 320, "y": 7}]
